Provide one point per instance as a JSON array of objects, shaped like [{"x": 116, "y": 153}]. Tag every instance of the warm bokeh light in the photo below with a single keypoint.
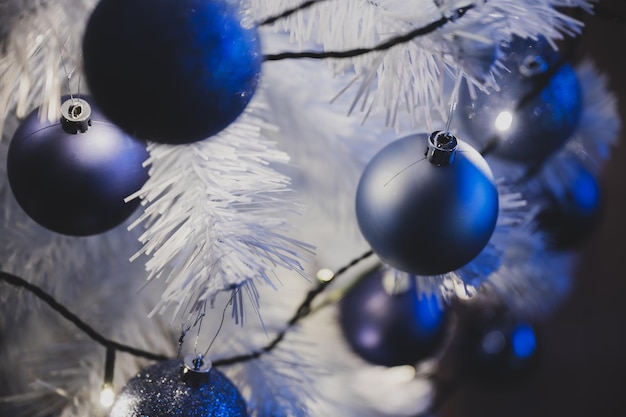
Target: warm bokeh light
[
  {"x": 325, "y": 275},
  {"x": 107, "y": 396},
  {"x": 503, "y": 121}
]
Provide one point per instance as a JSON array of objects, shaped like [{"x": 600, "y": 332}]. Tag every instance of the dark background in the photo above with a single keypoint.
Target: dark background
[{"x": 581, "y": 369}]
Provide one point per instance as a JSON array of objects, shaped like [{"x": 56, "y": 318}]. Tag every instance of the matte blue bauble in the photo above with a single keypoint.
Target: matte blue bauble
[
  {"x": 171, "y": 71},
  {"x": 391, "y": 326},
  {"x": 499, "y": 346},
  {"x": 423, "y": 218},
  {"x": 572, "y": 214},
  {"x": 162, "y": 390},
  {"x": 73, "y": 179},
  {"x": 535, "y": 111}
]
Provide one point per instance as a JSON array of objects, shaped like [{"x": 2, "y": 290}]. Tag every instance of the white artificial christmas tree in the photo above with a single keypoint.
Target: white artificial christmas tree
[{"x": 232, "y": 230}]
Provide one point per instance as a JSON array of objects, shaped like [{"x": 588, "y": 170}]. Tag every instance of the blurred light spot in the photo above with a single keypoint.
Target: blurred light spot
[
  {"x": 325, "y": 275},
  {"x": 503, "y": 121},
  {"x": 524, "y": 341},
  {"x": 494, "y": 342},
  {"x": 107, "y": 396}
]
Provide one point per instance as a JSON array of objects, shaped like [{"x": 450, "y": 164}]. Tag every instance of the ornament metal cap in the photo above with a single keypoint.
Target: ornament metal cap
[
  {"x": 196, "y": 368},
  {"x": 441, "y": 148},
  {"x": 75, "y": 115}
]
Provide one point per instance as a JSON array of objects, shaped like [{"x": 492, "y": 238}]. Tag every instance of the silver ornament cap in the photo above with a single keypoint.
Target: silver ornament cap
[
  {"x": 441, "y": 148},
  {"x": 75, "y": 115}
]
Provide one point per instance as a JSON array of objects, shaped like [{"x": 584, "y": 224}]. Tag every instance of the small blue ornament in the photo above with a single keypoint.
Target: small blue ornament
[
  {"x": 571, "y": 214},
  {"x": 174, "y": 389},
  {"x": 535, "y": 111},
  {"x": 427, "y": 214},
  {"x": 388, "y": 322},
  {"x": 500, "y": 347},
  {"x": 171, "y": 71},
  {"x": 72, "y": 175}
]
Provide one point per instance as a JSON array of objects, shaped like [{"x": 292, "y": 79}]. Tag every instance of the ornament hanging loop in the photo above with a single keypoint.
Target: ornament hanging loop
[
  {"x": 75, "y": 115},
  {"x": 441, "y": 148}
]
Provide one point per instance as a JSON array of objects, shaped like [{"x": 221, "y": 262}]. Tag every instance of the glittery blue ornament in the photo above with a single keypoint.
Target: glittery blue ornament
[
  {"x": 499, "y": 346},
  {"x": 388, "y": 322},
  {"x": 171, "y": 389},
  {"x": 171, "y": 71},
  {"x": 427, "y": 205},
  {"x": 535, "y": 111},
  {"x": 571, "y": 213},
  {"x": 72, "y": 175}
]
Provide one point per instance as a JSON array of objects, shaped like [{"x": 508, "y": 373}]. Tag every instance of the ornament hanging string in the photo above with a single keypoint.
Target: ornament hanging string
[
  {"x": 454, "y": 98},
  {"x": 184, "y": 330},
  {"x": 68, "y": 75},
  {"x": 229, "y": 303}
]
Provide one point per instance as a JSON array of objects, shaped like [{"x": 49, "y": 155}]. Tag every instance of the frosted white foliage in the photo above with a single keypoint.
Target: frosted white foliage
[
  {"x": 215, "y": 214},
  {"x": 47, "y": 367},
  {"x": 408, "y": 78},
  {"x": 531, "y": 280},
  {"x": 39, "y": 54},
  {"x": 328, "y": 149},
  {"x": 376, "y": 391},
  {"x": 278, "y": 384}
]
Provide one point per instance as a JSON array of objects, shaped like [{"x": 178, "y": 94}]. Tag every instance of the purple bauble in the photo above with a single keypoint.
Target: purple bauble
[
  {"x": 387, "y": 321},
  {"x": 171, "y": 71},
  {"x": 72, "y": 175}
]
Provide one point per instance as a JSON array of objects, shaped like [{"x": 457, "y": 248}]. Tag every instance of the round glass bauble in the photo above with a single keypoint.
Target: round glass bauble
[
  {"x": 424, "y": 218},
  {"x": 534, "y": 112},
  {"x": 71, "y": 181},
  {"x": 171, "y": 71},
  {"x": 387, "y": 321},
  {"x": 162, "y": 390}
]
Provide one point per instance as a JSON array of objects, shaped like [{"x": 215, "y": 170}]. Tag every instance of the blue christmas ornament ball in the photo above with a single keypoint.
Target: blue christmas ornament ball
[
  {"x": 166, "y": 390},
  {"x": 571, "y": 214},
  {"x": 171, "y": 71},
  {"x": 72, "y": 175},
  {"x": 534, "y": 112},
  {"x": 387, "y": 321},
  {"x": 423, "y": 215}
]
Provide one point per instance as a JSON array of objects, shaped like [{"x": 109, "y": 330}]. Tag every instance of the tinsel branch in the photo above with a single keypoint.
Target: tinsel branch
[
  {"x": 406, "y": 81},
  {"x": 215, "y": 214}
]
